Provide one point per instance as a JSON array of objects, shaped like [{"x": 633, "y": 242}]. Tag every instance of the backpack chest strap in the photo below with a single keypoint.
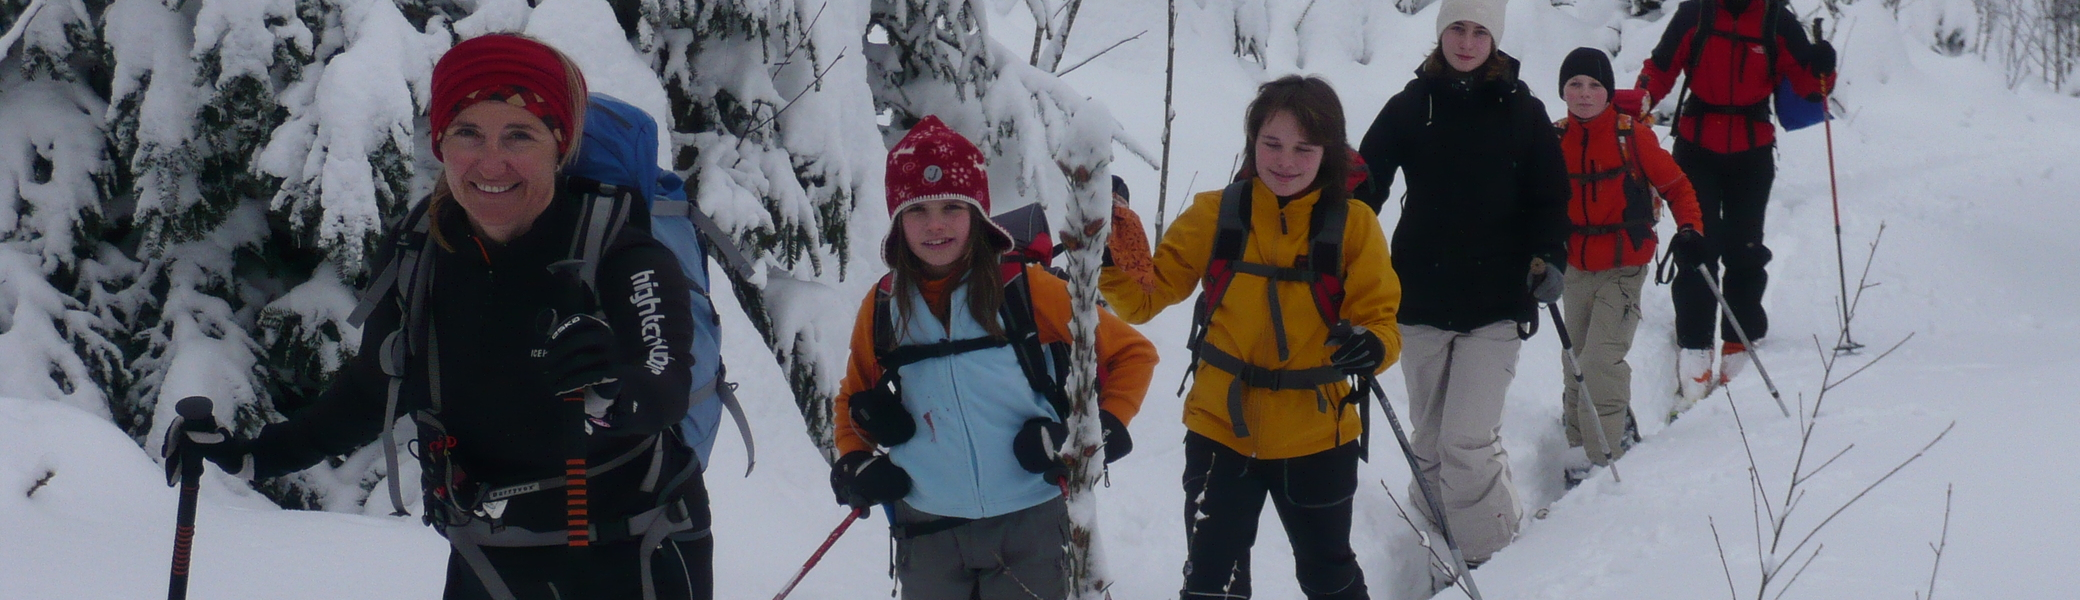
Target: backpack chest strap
[{"x": 901, "y": 356}]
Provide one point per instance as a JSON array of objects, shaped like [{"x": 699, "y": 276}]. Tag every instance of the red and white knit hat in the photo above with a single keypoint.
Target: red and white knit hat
[{"x": 935, "y": 163}]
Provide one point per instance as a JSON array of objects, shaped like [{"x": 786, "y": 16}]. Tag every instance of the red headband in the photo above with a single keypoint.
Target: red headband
[{"x": 505, "y": 68}]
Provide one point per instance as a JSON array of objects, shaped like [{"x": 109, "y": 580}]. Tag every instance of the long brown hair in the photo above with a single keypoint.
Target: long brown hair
[
  {"x": 980, "y": 269},
  {"x": 1496, "y": 68},
  {"x": 1320, "y": 113},
  {"x": 574, "y": 80}
]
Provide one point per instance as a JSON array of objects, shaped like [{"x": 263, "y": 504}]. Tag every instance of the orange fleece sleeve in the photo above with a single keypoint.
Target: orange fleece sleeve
[
  {"x": 1125, "y": 357},
  {"x": 861, "y": 370}
]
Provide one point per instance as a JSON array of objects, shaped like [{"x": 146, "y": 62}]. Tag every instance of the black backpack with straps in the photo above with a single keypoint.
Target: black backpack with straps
[{"x": 1321, "y": 269}]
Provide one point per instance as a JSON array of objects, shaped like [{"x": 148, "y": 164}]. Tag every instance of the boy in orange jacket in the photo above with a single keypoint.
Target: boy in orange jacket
[{"x": 1617, "y": 172}]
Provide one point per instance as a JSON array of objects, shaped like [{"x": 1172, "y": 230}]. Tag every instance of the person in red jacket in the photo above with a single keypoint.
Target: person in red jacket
[
  {"x": 1616, "y": 172},
  {"x": 1735, "y": 52}
]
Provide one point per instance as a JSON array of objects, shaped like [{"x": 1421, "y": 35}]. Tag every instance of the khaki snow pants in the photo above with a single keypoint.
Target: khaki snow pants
[
  {"x": 1013, "y": 556},
  {"x": 1456, "y": 385},
  {"x": 1602, "y": 312}
]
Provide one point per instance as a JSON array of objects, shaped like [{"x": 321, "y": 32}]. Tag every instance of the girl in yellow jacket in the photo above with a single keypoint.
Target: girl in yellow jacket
[
  {"x": 971, "y": 429},
  {"x": 1299, "y": 297}
]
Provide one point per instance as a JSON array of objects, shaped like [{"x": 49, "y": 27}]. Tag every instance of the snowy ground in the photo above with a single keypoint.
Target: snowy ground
[{"x": 1971, "y": 181}]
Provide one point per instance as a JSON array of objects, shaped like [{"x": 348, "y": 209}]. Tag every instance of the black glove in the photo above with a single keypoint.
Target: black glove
[
  {"x": 879, "y": 412},
  {"x": 863, "y": 479},
  {"x": 1361, "y": 353},
  {"x": 575, "y": 353},
  {"x": 1691, "y": 249},
  {"x": 1547, "y": 286},
  {"x": 230, "y": 451},
  {"x": 1039, "y": 445},
  {"x": 1117, "y": 442},
  {"x": 1822, "y": 60}
]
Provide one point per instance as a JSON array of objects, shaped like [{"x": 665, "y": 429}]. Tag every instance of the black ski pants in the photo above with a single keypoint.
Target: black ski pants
[
  {"x": 1224, "y": 495},
  {"x": 1733, "y": 190}
]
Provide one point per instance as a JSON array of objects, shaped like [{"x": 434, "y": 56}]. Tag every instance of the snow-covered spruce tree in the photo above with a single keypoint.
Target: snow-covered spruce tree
[
  {"x": 776, "y": 154},
  {"x": 194, "y": 88},
  {"x": 343, "y": 156},
  {"x": 935, "y": 57},
  {"x": 58, "y": 320}
]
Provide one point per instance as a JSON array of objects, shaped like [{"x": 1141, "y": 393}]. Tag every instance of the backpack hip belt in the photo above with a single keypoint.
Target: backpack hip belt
[
  {"x": 1264, "y": 378},
  {"x": 670, "y": 518},
  {"x": 1620, "y": 227},
  {"x": 1758, "y": 111}
]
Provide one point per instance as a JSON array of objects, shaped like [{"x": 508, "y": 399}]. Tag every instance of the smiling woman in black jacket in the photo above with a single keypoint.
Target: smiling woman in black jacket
[
  {"x": 1486, "y": 201},
  {"x": 491, "y": 353}
]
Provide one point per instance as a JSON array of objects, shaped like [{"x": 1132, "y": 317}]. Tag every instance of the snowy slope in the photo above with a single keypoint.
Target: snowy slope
[{"x": 1971, "y": 181}]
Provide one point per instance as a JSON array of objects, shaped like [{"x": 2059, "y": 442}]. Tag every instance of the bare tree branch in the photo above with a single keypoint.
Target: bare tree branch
[
  {"x": 1816, "y": 470},
  {"x": 1801, "y": 571},
  {"x": 1938, "y": 547},
  {"x": 1722, "y": 560},
  {"x": 1867, "y": 489},
  {"x": 1859, "y": 370},
  {"x": 1100, "y": 53}
]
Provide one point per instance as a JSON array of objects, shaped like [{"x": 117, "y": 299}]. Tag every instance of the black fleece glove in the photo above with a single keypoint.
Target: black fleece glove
[
  {"x": 1822, "y": 60},
  {"x": 1361, "y": 353},
  {"x": 1040, "y": 444},
  {"x": 1691, "y": 249},
  {"x": 575, "y": 353},
  {"x": 880, "y": 413},
  {"x": 862, "y": 479},
  {"x": 229, "y": 450}
]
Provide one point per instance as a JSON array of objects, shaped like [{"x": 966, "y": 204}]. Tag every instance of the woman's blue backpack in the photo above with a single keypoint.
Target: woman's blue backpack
[{"x": 620, "y": 150}]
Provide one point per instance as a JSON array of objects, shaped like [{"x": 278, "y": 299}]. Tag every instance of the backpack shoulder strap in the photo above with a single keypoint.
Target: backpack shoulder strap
[
  {"x": 1325, "y": 256},
  {"x": 711, "y": 233},
  {"x": 603, "y": 212},
  {"x": 1231, "y": 227},
  {"x": 1023, "y": 330},
  {"x": 391, "y": 259},
  {"x": 884, "y": 320},
  {"x": 1628, "y": 154}
]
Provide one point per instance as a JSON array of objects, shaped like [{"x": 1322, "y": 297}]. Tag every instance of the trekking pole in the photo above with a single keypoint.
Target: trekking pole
[
  {"x": 857, "y": 514},
  {"x": 1429, "y": 495},
  {"x": 1848, "y": 344},
  {"x": 196, "y": 417},
  {"x": 1727, "y": 310},
  {"x": 1589, "y": 410}
]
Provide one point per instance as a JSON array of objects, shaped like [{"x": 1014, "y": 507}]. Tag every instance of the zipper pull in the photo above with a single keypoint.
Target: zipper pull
[{"x": 1282, "y": 220}]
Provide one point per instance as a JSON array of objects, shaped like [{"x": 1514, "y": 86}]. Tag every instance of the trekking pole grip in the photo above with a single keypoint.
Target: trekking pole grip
[{"x": 197, "y": 416}]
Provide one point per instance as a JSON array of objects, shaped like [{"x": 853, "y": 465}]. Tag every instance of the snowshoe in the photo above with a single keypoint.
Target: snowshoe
[
  {"x": 1576, "y": 467},
  {"x": 1733, "y": 360},
  {"x": 1694, "y": 380}
]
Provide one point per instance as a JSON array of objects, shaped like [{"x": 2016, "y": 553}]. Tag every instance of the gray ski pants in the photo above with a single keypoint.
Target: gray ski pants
[
  {"x": 1456, "y": 385},
  {"x": 1014, "y": 556},
  {"x": 1602, "y": 312}
]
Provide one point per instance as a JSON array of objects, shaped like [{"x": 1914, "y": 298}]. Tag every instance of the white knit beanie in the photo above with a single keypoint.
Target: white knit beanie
[{"x": 1488, "y": 13}]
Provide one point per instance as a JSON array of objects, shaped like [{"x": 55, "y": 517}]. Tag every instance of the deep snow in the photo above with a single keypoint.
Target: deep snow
[{"x": 1970, "y": 180}]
